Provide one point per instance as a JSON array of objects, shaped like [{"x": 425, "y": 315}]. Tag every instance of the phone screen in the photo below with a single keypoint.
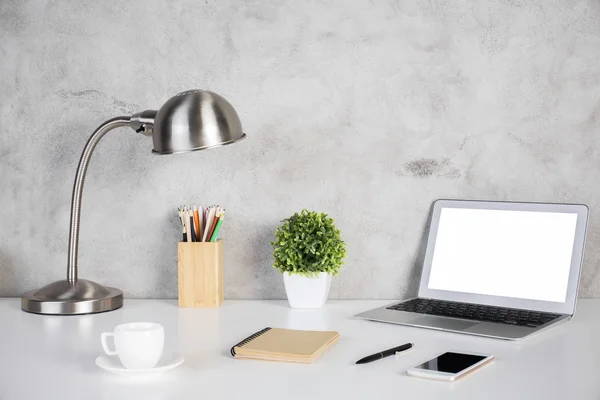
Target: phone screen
[{"x": 451, "y": 363}]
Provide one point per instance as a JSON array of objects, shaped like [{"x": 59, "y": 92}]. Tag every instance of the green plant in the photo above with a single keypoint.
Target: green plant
[{"x": 308, "y": 243}]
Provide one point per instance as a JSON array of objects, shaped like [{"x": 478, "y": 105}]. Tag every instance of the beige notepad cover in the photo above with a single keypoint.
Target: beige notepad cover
[{"x": 276, "y": 344}]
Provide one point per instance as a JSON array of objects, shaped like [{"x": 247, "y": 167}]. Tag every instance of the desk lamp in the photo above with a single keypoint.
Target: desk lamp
[{"x": 190, "y": 121}]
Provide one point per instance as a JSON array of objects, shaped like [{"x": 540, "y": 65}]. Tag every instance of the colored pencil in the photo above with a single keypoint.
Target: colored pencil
[
  {"x": 182, "y": 224},
  {"x": 215, "y": 234},
  {"x": 209, "y": 221},
  {"x": 213, "y": 225},
  {"x": 192, "y": 226},
  {"x": 188, "y": 227},
  {"x": 196, "y": 221}
]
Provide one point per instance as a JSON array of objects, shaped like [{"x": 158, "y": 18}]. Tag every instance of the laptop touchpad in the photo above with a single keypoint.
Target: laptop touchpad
[{"x": 443, "y": 323}]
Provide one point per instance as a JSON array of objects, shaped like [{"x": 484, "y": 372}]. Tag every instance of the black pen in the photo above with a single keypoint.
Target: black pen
[{"x": 385, "y": 353}]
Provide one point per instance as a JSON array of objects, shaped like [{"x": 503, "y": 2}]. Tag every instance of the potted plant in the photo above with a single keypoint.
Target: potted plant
[{"x": 308, "y": 250}]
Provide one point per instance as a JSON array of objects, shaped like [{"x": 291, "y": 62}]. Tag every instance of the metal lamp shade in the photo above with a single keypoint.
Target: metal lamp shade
[{"x": 195, "y": 120}]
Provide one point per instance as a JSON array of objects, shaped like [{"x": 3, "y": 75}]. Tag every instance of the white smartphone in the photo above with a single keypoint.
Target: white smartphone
[{"x": 450, "y": 366}]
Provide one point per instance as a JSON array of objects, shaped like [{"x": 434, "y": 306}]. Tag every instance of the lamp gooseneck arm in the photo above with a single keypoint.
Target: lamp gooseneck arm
[{"x": 78, "y": 190}]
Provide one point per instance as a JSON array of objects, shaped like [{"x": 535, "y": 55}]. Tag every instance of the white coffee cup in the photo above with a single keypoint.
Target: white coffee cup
[{"x": 139, "y": 345}]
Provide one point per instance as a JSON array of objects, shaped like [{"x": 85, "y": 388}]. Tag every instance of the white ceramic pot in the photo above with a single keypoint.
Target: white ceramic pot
[{"x": 304, "y": 292}]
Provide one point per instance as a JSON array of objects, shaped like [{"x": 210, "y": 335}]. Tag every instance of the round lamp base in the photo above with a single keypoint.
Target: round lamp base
[{"x": 66, "y": 298}]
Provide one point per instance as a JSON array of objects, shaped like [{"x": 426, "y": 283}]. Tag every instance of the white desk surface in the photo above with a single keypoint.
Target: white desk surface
[{"x": 50, "y": 357}]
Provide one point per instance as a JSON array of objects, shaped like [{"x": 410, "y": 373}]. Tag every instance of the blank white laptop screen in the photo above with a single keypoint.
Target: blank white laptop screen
[{"x": 520, "y": 254}]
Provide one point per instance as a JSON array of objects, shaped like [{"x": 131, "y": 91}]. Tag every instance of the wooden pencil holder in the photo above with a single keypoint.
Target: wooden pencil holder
[{"x": 200, "y": 274}]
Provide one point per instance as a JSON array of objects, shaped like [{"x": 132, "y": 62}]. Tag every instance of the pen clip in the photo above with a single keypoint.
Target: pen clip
[{"x": 397, "y": 354}]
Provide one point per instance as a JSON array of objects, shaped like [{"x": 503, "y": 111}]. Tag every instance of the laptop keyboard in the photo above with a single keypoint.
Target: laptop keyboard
[{"x": 477, "y": 312}]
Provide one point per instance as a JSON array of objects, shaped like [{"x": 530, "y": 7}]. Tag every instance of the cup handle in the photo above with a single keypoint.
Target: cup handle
[{"x": 103, "y": 338}]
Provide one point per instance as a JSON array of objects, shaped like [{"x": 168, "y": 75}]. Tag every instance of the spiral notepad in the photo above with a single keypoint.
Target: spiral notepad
[{"x": 288, "y": 345}]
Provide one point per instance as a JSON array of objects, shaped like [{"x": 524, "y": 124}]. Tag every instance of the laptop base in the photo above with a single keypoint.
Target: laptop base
[{"x": 458, "y": 325}]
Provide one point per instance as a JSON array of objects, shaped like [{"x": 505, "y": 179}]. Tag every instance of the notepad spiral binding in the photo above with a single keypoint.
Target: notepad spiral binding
[{"x": 249, "y": 339}]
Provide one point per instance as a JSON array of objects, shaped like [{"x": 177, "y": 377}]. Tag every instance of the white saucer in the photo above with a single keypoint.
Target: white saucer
[{"x": 113, "y": 364}]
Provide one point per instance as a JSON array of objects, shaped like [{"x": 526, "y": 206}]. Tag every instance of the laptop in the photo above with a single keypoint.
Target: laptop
[{"x": 496, "y": 269}]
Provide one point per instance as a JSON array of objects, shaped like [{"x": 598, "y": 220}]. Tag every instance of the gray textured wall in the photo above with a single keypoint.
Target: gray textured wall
[{"x": 366, "y": 110}]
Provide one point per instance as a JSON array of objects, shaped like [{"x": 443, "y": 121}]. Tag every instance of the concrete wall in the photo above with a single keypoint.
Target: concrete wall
[{"x": 366, "y": 110}]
